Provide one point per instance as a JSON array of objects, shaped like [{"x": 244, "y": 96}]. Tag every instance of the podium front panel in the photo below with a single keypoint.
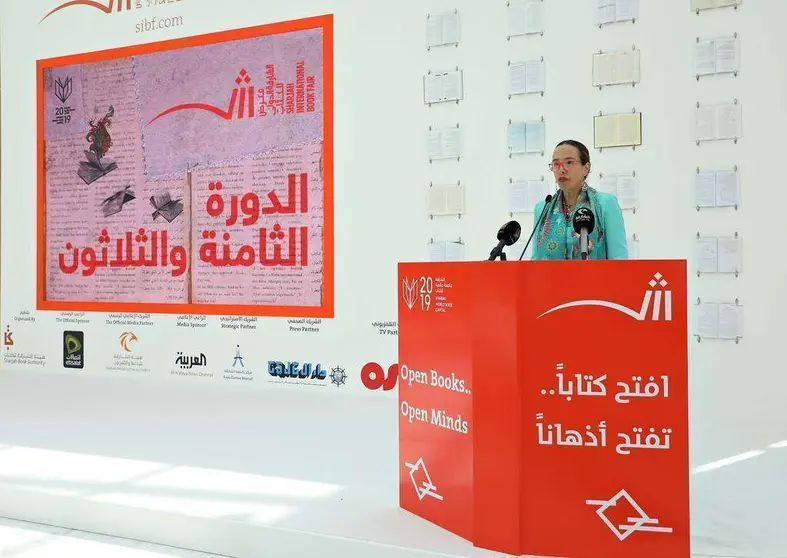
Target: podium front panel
[
  {"x": 605, "y": 439},
  {"x": 435, "y": 394},
  {"x": 544, "y": 405}
]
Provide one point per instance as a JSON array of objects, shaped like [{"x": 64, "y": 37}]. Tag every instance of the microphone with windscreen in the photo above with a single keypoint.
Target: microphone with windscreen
[
  {"x": 506, "y": 236},
  {"x": 584, "y": 223}
]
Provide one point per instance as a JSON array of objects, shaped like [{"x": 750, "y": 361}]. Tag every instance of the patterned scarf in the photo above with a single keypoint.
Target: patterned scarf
[{"x": 557, "y": 238}]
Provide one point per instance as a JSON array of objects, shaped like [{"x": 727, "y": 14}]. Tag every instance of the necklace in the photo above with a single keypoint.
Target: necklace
[{"x": 566, "y": 209}]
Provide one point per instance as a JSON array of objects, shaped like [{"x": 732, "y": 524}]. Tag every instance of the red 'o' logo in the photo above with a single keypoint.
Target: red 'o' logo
[{"x": 373, "y": 376}]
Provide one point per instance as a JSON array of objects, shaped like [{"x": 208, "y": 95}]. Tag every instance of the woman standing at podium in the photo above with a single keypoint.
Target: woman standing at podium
[{"x": 555, "y": 236}]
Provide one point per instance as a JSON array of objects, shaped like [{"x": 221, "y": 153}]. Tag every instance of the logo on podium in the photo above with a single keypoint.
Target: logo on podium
[
  {"x": 425, "y": 487},
  {"x": 657, "y": 293},
  {"x": 409, "y": 292},
  {"x": 643, "y": 522}
]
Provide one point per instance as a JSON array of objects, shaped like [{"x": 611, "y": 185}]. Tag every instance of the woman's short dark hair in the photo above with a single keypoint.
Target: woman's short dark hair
[{"x": 584, "y": 154}]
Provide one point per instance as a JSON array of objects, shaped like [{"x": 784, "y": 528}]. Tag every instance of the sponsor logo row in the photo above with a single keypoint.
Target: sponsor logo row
[{"x": 74, "y": 344}]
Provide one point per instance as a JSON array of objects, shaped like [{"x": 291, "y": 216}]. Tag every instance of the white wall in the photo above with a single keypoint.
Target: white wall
[{"x": 382, "y": 176}]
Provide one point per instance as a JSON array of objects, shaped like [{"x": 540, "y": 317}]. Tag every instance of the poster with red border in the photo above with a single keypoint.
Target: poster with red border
[{"x": 190, "y": 176}]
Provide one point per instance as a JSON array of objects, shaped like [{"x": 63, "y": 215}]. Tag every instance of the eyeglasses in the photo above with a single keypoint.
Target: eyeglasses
[{"x": 568, "y": 164}]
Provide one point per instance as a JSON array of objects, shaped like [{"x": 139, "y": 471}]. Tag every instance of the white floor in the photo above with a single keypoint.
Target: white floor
[
  {"x": 230, "y": 471},
  {"x": 252, "y": 474},
  {"x": 20, "y": 539}
]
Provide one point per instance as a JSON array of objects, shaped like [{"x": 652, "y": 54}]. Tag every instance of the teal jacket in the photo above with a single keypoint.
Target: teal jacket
[{"x": 555, "y": 238}]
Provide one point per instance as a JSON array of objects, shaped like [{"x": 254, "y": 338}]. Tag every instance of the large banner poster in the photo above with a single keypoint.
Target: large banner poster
[{"x": 190, "y": 176}]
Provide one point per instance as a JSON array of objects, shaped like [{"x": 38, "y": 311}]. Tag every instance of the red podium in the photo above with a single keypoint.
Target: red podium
[{"x": 544, "y": 405}]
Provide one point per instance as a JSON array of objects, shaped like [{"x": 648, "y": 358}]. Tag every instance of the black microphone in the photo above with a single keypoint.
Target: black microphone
[
  {"x": 538, "y": 223},
  {"x": 584, "y": 223},
  {"x": 506, "y": 236}
]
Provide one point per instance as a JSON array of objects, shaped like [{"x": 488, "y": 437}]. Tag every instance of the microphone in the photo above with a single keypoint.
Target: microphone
[
  {"x": 538, "y": 223},
  {"x": 506, "y": 236},
  {"x": 584, "y": 223}
]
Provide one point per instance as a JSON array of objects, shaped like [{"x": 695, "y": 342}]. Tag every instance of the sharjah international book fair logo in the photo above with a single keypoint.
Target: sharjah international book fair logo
[
  {"x": 242, "y": 96},
  {"x": 658, "y": 294},
  {"x": 113, "y": 6},
  {"x": 273, "y": 98}
]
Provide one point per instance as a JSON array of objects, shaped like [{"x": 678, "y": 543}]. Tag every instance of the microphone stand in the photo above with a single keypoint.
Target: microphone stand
[
  {"x": 538, "y": 223},
  {"x": 583, "y": 243},
  {"x": 497, "y": 252}
]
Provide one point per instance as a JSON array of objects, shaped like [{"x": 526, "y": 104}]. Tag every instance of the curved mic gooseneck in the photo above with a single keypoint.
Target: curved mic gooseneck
[{"x": 538, "y": 223}]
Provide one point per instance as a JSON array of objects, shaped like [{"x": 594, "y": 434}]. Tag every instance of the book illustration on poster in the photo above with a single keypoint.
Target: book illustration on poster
[
  {"x": 443, "y": 87},
  {"x": 524, "y": 17},
  {"x": 721, "y": 188},
  {"x": 446, "y": 250},
  {"x": 523, "y": 195},
  {"x": 616, "y": 11},
  {"x": 718, "y": 254},
  {"x": 698, "y": 6},
  {"x": 621, "y": 67},
  {"x": 165, "y": 206},
  {"x": 716, "y": 56},
  {"x": 114, "y": 203},
  {"x": 444, "y": 143},
  {"x": 526, "y": 136},
  {"x": 718, "y": 320},
  {"x": 100, "y": 141},
  {"x": 617, "y": 130},
  {"x": 625, "y": 187},
  {"x": 442, "y": 29},
  {"x": 446, "y": 200},
  {"x": 718, "y": 122},
  {"x": 527, "y": 77}
]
